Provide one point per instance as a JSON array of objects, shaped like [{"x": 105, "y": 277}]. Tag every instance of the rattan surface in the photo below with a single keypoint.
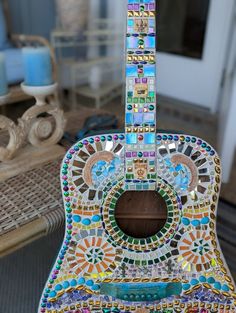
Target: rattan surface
[
  {"x": 30, "y": 196},
  {"x": 31, "y": 203}
]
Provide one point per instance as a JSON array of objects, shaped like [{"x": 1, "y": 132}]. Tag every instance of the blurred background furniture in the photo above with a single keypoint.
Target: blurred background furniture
[
  {"x": 35, "y": 135},
  {"x": 10, "y": 45},
  {"x": 86, "y": 66},
  {"x": 72, "y": 15},
  {"x": 12, "y": 55},
  {"x": 27, "y": 144},
  {"x": 102, "y": 83}
]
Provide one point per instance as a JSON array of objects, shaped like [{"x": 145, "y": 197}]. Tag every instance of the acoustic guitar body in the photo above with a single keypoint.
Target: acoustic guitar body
[
  {"x": 109, "y": 265},
  {"x": 179, "y": 268}
]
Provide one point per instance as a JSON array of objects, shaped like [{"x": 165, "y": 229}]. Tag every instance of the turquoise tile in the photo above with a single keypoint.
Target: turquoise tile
[
  {"x": 149, "y": 138},
  {"x": 131, "y": 138}
]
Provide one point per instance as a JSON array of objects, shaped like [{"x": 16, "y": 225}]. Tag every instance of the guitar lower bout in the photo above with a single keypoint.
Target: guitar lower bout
[{"x": 102, "y": 266}]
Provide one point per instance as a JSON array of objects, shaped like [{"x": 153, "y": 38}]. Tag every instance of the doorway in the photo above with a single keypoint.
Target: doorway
[{"x": 192, "y": 44}]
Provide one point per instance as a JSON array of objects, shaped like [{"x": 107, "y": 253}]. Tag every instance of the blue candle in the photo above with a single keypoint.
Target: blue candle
[
  {"x": 3, "y": 76},
  {"x": 37, "y": 66}
]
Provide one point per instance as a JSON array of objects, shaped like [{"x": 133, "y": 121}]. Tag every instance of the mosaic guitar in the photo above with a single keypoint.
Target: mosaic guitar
[{"x": 178, "y": 269}]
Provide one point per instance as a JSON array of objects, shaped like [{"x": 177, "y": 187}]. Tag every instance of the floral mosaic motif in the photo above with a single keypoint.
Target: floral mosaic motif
[
  {"x": 95, "y": 255},
  {"x": 92, "y": 255},
  {"x": 181, "y": 173},
  {"x": 103, "y": 170},
  {"x": 195, "y": 250},
  {"x": 201, "y": 247}
]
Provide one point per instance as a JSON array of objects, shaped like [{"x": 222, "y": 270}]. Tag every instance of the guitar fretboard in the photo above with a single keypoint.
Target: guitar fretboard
[{"x": 140, "y": 116}]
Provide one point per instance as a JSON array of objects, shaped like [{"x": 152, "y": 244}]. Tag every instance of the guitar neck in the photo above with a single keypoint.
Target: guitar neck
[{"x": 140, "y": 112}]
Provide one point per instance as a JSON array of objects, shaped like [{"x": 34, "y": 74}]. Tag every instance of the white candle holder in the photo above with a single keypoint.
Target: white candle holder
[
  {"x": 42, "y": 134},
  {"x": 40, "y": 93}
]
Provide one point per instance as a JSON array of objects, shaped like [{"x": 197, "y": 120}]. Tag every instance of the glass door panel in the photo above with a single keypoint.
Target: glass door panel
[
  {"x": 192, "y": 42},
  {"x": 182, "y": 26}
]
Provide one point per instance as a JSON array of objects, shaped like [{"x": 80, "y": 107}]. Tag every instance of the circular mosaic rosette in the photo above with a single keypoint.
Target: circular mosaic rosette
[
  {"x": 188, "y": 168},
  {"x": 117, "y": 237},
  {"x": 195, "y": 251},
  {"x": 92, "y": 255}
]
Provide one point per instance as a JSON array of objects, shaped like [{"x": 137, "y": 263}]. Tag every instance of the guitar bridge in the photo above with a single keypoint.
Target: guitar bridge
[{"x": 141, "y": 292}]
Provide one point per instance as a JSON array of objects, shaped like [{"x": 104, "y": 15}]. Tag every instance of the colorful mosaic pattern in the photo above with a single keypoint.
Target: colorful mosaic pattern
[
  {"x": 182, "y": 263},
  {"x": 140, "y": 116},
  {"x": 116, "y": 235},
  {"x": 179, "y": 269},
  {"x": 91, "y": 255}
]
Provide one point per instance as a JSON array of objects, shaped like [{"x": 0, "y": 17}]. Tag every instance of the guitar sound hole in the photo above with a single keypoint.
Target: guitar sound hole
[{"x": 141, "y": 214}]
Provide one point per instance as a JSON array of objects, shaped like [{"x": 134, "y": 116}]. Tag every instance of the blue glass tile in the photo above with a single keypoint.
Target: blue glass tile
[
  {"x": 138, "y": 118},
  {"x": 129, "y": 118},
  {"x": 131, "y": 138},
  {"x": 131, "y": 71},
  {"x": 150, "y": 42},
  {"x": 152, "y": 22},
  {"x": 102, "y": 169},
  {"x": 149, "y": 138},
  {"x": 130, "y": 23},
  {"x": 132, "y": 42},
  {"x": 182, "y": 175}
]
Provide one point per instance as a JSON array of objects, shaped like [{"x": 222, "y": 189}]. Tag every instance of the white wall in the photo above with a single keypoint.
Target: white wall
[
  {"x": 227, "y": 117},
  {"x": 229, "y": 136}
]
